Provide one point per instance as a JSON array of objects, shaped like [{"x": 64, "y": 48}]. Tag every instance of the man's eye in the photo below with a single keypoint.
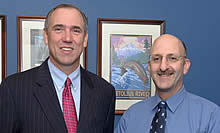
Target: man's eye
[
  {"x": 76, "y": 31},
  {"x": 173, "y": 59},
  {"x": 58, "y": 29},
  {"x": 156, "y": 59}
]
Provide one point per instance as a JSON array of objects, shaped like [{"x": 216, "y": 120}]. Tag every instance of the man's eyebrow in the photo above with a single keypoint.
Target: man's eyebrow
[
  {"x": 72, "y": 27},
  {"x": 76, "y": 27},
  {"x": 156, "y": 55},
  {"x": 171, "y": 54},
  {"x": 57, "y": 25},
  {"x": 61, "y": 25}
]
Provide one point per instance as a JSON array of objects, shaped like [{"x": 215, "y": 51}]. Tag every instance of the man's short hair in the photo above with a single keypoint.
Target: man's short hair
[{"x": 47, "y": 21}]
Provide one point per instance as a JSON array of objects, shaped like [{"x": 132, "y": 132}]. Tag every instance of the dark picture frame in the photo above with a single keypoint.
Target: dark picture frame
[
  {"x": 3, "y": 46},
  {"x": 31, "y": 48},
  {"x": 114, "y": 35}
]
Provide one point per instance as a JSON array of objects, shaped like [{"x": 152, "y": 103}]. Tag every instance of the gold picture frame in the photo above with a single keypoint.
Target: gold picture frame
[{"x": 111, "y": 60}]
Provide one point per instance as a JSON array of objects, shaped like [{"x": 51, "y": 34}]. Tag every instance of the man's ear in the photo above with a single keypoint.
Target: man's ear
[
  {"x": 187, "y": 64},
  {"x": 148, "y": 66},
  {"x": 85, "y": 40},
  {"x": 45, "y": 36}
]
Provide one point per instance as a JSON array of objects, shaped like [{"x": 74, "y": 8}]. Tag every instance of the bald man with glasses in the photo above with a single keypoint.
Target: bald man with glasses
[{"x": 173, "y": 109}]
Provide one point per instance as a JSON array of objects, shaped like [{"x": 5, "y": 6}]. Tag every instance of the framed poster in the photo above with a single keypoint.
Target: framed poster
[
  {"x": 2, "y": 47},
  {"x": 31, "y": 48},
  {"x": 123, "y": 53}
]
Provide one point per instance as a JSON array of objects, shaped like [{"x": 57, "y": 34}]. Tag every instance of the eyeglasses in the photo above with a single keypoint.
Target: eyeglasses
[{"x": 169, "y": 58}]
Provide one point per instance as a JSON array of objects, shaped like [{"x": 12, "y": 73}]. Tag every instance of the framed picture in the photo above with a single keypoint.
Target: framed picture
[
  {"x": 31, "y": 48},
  {"x": 123, "y": 53},
  {"x": 2, "y": 47}
]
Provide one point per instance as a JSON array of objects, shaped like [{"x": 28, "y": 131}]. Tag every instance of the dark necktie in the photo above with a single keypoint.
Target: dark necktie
[
  {"x": 69, "y": 110},
  {"x": 159, "y": 120}
]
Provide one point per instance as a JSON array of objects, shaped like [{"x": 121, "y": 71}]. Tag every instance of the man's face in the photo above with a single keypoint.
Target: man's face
[
  {"x": 66, "y": 38},
  {"x": 168, "y": 64}
]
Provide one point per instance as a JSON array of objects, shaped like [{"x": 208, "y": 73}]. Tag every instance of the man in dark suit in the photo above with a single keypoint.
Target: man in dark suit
[{"x": 32, "y": 101}]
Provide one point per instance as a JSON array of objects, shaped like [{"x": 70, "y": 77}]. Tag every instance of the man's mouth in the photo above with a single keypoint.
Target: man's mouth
[
  {"x": 166, "y": 73},
  {"x": 67, "y": 49}
]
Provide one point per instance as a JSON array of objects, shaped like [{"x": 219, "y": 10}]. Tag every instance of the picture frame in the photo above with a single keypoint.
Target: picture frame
[
  {"x": 31, "y": 48},
  {"x": 123, "y": 51},
  {"x": 3, "y": 47}
]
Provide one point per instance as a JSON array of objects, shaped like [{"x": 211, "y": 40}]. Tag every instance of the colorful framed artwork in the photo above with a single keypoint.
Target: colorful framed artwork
[
  {"x": 123, "y": 53},
  {"x": 2, "y": 47},
  {"x": 31, "y": 48}
]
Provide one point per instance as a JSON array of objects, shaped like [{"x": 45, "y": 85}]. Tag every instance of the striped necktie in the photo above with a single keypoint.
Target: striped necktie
[{"x": 69, "y": 110}]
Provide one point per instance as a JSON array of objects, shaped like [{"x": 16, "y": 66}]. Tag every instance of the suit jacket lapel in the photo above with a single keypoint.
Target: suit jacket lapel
[
  {"x": 85, "y": 100},
  {"x": 45, "y": 93}
]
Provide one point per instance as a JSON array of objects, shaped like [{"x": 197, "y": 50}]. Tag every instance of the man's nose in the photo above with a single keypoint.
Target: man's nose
[
  {"x": 67, "y": 36},
  {"x": 164, "y": 64}
]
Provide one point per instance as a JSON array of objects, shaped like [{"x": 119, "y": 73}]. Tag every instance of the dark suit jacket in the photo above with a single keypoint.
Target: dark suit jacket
[{"x": 29, "y": 104}]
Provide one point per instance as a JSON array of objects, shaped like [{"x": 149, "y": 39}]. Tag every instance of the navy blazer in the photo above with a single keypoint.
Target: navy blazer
[{"x": 29, "y": 104}]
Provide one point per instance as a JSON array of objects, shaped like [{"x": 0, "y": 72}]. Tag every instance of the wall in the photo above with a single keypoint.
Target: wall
[{"x": 194, "y": 21}]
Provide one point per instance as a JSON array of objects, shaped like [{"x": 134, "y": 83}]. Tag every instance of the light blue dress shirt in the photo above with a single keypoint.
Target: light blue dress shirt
[
  {"x": 59, "y": 79},
  {"x": 186, "y": 113}
]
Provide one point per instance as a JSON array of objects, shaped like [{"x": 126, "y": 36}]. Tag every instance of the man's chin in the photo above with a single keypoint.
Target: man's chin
[{"x": 163, "y": 88}]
